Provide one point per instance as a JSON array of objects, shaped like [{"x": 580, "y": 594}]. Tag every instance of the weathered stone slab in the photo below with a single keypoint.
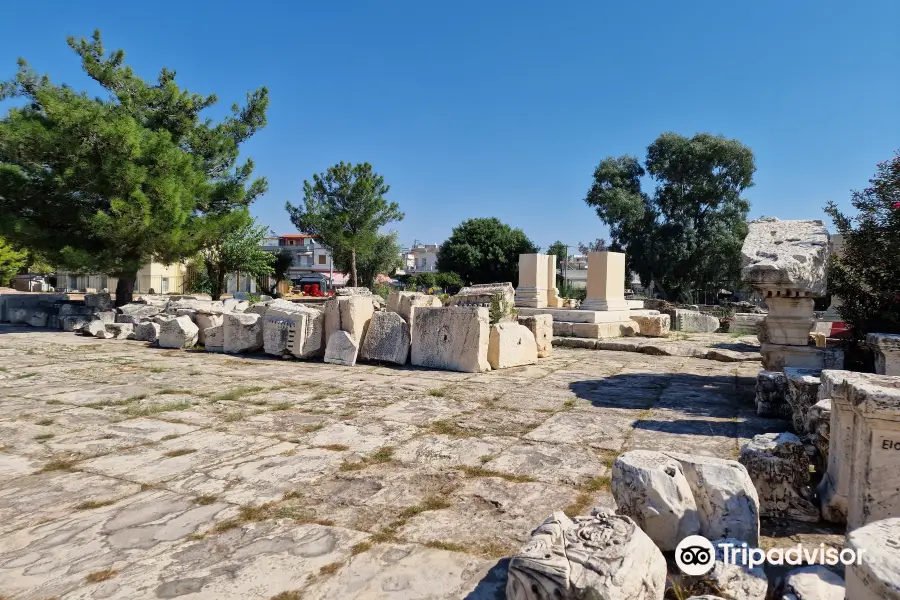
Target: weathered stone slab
[
  {"x": 74, "y": 322},
  {"x": 601, "y": 556},
  {"x": 776, "y": 357},
  {"x": 405, "y": 303},
  {"x": 146, "y": 332},
  {"x": 511, "y": 345},
  {"x": 652, "y": 325},
  {"x": 876, "y": 576},
  {"x": 179, "y": 332},
  {"x": 214, "y": 338},
  {"x": 93, "y": 327},
  {"x": 790, "y": 255},
  {"x": 779, "y": 467},
  {"x": 886, "y": 348},
  {"x": 771, "y": 388},
  {"x": 290, "y": 325},
  {"x": 691, "y": 321},
  {"x": 119, "y": 331},
  {"x": 746, "y": 323},
  {"x": 813, "y": 582},
  {"x": 387, "y": 339},
  {"x": 801, "y": 392},
  {"x": 482, "y": 295},
  {"x": 541, "y": 327},
  {"x": 99, "y": 301},
  {"x": 140, "y": 310},
  {"x": 348, "y": 313},
  {"x": 204, "y": 321},
  {"x": 651, "y": 488},
  {"x": 453, "y": 338},
  {"x": 341, "y": 349},
  {"x": 243, "y": 332},
  {"x": 727, "y": 502}
]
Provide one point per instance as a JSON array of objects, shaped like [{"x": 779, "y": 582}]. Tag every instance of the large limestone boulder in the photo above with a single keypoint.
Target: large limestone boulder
[
  {"x": 651, "y": 488},
  {"x": 541, "y": 327},
  {"x": 511, "y": 345},
  {"x": 341, "y": 349},
  {"x": 387, "y": 339},
  {"x": 204, "y": 321},
  {"x": 349, "y": 313},
  {"x": 146, "y": 332},
  {"x": 727, "y": 502},
  {"x": 604, "y": 556},
  {"x": 243, "y": 332},
  {"x": 93, "y": 327},
  {"x": 453, "y": 338},
  {"x": 814, "y": 582},
  {"x": 215, "y": 339},
  {"x": 779, "y": 467},
  {"x": 786, "y": 255},
  {"x": 179, "y": 332},
  {"x": 293, "y": 329},
  {"x": 737, "y": 580},
  {"x": 408, "y": 302},
  {"x": 99, "y": 301},
  {"x": 119, "y": 331},
  {"x": 652, "y": 325},
  {"x": 141, "y": 311},
  {"x": 692, "y": 321},
  {"x": 876, "y": 573}
]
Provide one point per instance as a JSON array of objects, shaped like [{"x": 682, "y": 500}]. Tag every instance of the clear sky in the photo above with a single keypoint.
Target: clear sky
[{"x": 503, "y": 108}]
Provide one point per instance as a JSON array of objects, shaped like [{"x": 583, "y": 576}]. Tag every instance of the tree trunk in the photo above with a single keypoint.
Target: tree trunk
[
  {"x": 219, "y": 284},
  {"x": 353, "y": 266},
  {"x": 125, "y": 288}
]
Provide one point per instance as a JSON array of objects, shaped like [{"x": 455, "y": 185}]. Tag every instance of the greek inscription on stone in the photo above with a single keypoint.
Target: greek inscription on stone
[{"x": 890, "y": 444}]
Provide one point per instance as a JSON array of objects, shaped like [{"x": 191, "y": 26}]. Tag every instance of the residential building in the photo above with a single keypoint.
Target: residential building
[
  {"x": 162, "y": 279},
  {"x": 420, "y": 258},
  {"x": 310, "y": 256}
]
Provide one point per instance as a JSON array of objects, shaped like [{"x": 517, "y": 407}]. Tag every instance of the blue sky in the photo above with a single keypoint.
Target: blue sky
[{"x": 477, "y": 109}]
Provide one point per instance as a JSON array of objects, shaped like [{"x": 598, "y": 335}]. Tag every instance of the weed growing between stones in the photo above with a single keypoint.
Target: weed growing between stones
[
  {"x": 90, "y": 504},
  {"x": 179, "y": 452},
  {"x": 237, "y": 394},
  {"x": 288, "y": 595},
  {"x": 144, "y": 411},
  {"x": 206, "y": 500},
  {"x": 43, "y": 437},
  {"x": 334, "y": 447},
  {"x": 98, "y": 576},
  {"x": 482, "y": 472},
  {"x": 385, "y": 454},
  {"x": 59, "y": 464}
]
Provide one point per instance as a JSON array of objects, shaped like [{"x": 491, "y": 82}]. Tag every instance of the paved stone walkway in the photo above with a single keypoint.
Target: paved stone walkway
[{"x": 132, "y": 472}]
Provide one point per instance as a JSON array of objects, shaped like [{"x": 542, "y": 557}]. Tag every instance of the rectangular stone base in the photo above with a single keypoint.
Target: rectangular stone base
[
  {"x": 776, "y": 357},
  {"x": 575, "y": 315},
  {"x": 595, "y": 331},
  {"x": 635, "y": 304}
]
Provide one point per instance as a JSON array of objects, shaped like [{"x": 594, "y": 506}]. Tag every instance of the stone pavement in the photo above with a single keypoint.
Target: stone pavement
[{"x": 134, "y": 472}]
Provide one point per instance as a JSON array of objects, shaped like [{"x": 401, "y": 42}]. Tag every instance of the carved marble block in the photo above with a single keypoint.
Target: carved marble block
[
  {"x": 887, "y": 352},
  {"x": 876, "y": 576},
  {"x": 601, "y": 556},
  {"x": 771, "y": 387},
  {"x": 779, "y": 467},
  {"x": 533, "y": 279},
  {"x": 802, "y": 392}
]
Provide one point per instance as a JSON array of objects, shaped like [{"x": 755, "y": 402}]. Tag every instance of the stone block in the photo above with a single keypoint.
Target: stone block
[
  {"x": 691, "y": 321},
  {"x": 813, "y": 582},
  {"x": 93, "y": 327},
  {"x": 179, "y": 332},
  {"x": 562, "y": 329},
  {"x": 736, "y": 580},
  {"x": 776, "y": 357},
  {"x": 511, "y": 345},
  {"x": 532, "y": 289},
  {"x": 453, "y": 338},
  {"x": 605, "y": 282},
  {"x": 243, "y": 332},
  {"x": 99, "y": 302},
  {"x": 801, "y": 392},
  {"x": 727, "y": 502},
  {"x": 204, "y": 321},
  {"x": 651, "y": 488},
  {"x": 143, "y": 311},
  {"x": 119, "y": 331},
  {"x": 306, "y": 337},
  {"x": 341, "y": 349},
  {"x": 598, "y": 331},
  {"x": 234, "y": 305},
  {"x": 748, "y": 323},
  {"x": 75, "y": 309},
  {"x": 74, "y": 322},
  {"x": 541, "y": 327},
  {"x": 790, "y": 320},
  {"x": 601, "y": 556},
  {"x": 348, "y": 313},
  {"x": 215, "y": 338},
  {"x": 408, "y": 302},
  {"x": 146, "y": 332},
  {"x": 290, "y": 327},
  {"x": 779, "y": 467},
  {"x": 886, "y": 348},
  {"x": 876, "y": 575},
  {"x": 387, "y": 339},
  {"x": 107, "y": 316},
  {"x": 38, "y": 318},
  {"x": 652, "y": 325},
  {"x": 788, "y": 255},
  {"x": 132, "y": 320}
]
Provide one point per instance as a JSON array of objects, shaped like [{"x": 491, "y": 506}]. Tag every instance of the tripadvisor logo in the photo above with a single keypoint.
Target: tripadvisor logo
[{"x": 696, "y": 555}]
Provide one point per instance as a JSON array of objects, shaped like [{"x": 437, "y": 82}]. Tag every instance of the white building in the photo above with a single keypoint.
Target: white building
[
  {"x": 310, "y": 256},
  {"x": 421, "y": 258}
]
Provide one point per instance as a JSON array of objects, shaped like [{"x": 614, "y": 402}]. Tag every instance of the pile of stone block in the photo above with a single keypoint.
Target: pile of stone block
[{"x": 691, "y": 321}]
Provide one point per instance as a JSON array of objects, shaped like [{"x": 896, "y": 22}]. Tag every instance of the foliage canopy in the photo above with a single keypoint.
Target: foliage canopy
[{"x": 484, "y": 251}]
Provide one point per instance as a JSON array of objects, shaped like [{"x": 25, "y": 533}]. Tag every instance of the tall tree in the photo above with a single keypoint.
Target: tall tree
[
  {"x": 688, "y": 234},
  {"x": 598, "y": 245},
  {"x": 237, "y": 250},
  {"x": 283, "y": 260},
  {"x": 484, "y": 251},
  {"x": 110, "y": 184},
  {"x": 866, "y": 274},
  {"x": 382, "y": 257},
  {"x": 344, "y": 208},
  {"x": 11, "y": 261}
]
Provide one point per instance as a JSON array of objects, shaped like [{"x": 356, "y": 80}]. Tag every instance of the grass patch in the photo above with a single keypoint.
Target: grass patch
[
  {"x": 482, "y": 472},
  {"x": 429, "y": 503},
  {"x": 25, "y": 375},
  {"x": 94, "y": 504},
  {"x": 44, "y": 422},
  {"x": 437, "y": 393},
  {"x": 360, "y": 548},
  {"x": 234, "y": 416},
  {"x": 597, "y": 484},
  {"x": 226, "y": 525},
  {"x": 147, "y": 487},
  {"x": 569, "y": 404},
  {"x": 322, "y": 394},
  {"x": 282, "y": 406},
  {"x": 173, "y": 391},
  {"x": 166, "y": 438},
  {"x": 347, "y": 414},
  {"x": 237, "y": 394},
  {"x": 335, "y": 447},
  {"x": 582, "y": 502},
  {"x": 451, "y": 546},
  {"x": 331, "y": 569},
  {"x": 206, "y": 500},
  {"x": 4, "y": 369},
  {"x": 179, "y": 452},
  {"x": 43, "y": 437},
  {"x": 143, "y": 411},
  {"x": 450, "y": 428},
  {"x": 98, "y": 576},
  {"x": 58, "y": 464},
  {"x": 289, "y": 595},
  {"x": 157, "y": 370},
  {"x": 54, "y": 402}
]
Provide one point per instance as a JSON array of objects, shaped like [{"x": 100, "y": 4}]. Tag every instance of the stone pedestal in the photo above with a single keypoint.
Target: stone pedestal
[
  {"x": 533, "y": 280},
  {"x": 790, "y": 319},
  {"x": 778, "y": 356},
  {"x": 605, "y": 282},
  {"x": 876, "y": 574},
  {"x": 886, "y": 348},
  {"x": 801, "y": 393},
  {"x": 553, "y": 299}
]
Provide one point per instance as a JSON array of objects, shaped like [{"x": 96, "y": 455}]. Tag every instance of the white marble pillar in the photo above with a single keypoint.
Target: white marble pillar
[
  {"x": 532, "y": 290},
  {"x": 552, "y": 291}
]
